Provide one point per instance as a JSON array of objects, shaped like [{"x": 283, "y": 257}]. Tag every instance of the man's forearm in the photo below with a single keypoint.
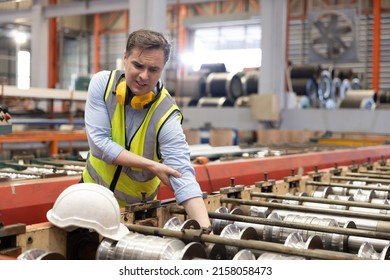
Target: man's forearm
[
  {"x": 196, "y": 209},
  {"x": 126, "y": 158}
]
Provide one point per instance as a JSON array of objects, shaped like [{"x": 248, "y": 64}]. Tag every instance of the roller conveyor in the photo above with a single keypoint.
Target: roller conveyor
[{"x": 290, "y": 218}]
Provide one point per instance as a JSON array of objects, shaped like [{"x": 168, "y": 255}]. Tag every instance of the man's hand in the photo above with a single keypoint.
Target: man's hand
[{"x": 163, "y": 172}]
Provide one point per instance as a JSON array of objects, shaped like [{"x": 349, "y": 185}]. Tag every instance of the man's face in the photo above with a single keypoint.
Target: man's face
[{"x": 143, "y": 69}]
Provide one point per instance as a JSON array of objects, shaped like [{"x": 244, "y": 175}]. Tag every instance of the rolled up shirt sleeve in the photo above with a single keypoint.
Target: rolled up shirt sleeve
[
  {"x": 97, "y": 120},
  {"x": 176, "y": 154}
]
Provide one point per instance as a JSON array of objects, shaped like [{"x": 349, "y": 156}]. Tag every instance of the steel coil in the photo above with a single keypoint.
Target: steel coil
[
  {"x": 224, "y": 85},
  {"x": 305, "y": 71},
  {"x": 193, "y": 86},
  {"x": 384, "y": 97},
  {"x": 250, "y": 81},
  {"x": 299, "y": 86},
  {"x": 362, "y": 99}
]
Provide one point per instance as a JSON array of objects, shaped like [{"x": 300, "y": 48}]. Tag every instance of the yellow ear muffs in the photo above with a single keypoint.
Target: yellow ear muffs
[
  {"x": 121, "y": 92},
  {"x": 139, "y": 102}
]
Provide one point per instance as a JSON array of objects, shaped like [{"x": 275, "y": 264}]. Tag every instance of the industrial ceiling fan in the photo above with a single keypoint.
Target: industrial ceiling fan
[{"x": 332, "y": 36}]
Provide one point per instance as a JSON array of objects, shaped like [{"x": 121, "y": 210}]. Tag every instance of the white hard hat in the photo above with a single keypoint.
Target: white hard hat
[{"x": 91, "y": 206}]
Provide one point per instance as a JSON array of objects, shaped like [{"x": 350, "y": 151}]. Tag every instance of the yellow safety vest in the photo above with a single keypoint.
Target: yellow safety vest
[{"x": 129, "y": 183}]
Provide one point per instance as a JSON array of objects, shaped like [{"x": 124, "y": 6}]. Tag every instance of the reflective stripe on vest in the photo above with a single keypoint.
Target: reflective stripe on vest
[{"x": 131, "y": 181}]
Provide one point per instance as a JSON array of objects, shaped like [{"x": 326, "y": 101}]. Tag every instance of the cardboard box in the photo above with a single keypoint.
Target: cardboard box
[
  {"x": 223, "y": 137},
  {"x": 193, "y": 136},
  {"x": 264, "y": 107}
]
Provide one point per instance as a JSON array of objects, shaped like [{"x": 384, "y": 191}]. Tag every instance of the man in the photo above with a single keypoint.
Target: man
[{"x": 134, "y": 130}]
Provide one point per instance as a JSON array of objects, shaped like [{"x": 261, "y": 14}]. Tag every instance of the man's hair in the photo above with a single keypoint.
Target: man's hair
[{"x": 148, "y": 39}]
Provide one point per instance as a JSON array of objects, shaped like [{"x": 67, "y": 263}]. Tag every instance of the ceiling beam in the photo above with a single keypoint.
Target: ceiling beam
[{"x": 79, "y": 9}]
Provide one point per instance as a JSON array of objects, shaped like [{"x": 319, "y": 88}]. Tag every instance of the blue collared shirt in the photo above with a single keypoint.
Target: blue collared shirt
[{"x": 173, "y": 146}]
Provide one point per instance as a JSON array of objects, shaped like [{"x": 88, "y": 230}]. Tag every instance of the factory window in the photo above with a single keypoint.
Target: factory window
[
  {"x": 23, "y": 69},
  {"x": 238, "y": 47}
]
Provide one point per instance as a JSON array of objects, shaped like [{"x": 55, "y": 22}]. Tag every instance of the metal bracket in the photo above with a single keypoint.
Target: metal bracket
[{"x": 8, "y": 234}]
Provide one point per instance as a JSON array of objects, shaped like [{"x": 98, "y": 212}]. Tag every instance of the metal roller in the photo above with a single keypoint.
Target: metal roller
[
  {"x": 340, "y": 197},
  {"x": 38, "y": 254},
  {"x": 363, "y": 195},
  {"x": 232, "y": 231},
  {"x": 192, "y": 251},
  {"x": 368, "y": 251},
  {"x": 353, "y": 242},
  {"x": 381, "y": 227},
  {"x": 290, "y": 201},
  {"x": 219, "y": 224},
  {"x": 330, "y": 205},
  {"x": 330, "y": 241},
  {"x": 106, "y": 249},
  {"x": 296, "y": 240},
  {"x": 345, "y": 202},
  {"x": 375, "y": 193},
  {"x": 312, "y": 210},
  {"x": 136, "y": 246},
  {"x": 364, "y": 202},
  {"x": 334, "y": 231},
  {"x": 376, "y": 174},
  {"x": 155, "y": 248},
  {"x": 369, "y": 174},
  {"x": 224, "y": 85},
  {"x": 258, "y": 211},
  {"x": 175, "y": 223},
  {"x": 215, "y": 251},
  {"x": 362, "y": 180},
  {"x": 372, "y": 229},
  {"x": 274, "y": 256},
  {"x": 255, "y": 245},
  {"x": 322, "y": 193},
  {"x": 374, "y": 201},
  {"x": 244, "y": 254},
  {"x": 342, "y": 188},
  {"x": 215, "y": 102}
]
